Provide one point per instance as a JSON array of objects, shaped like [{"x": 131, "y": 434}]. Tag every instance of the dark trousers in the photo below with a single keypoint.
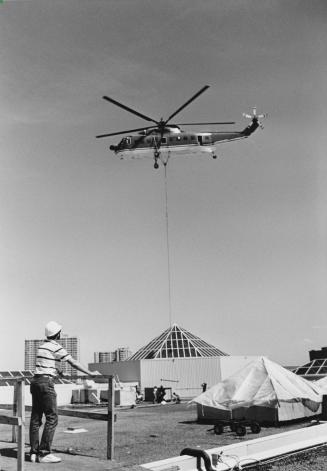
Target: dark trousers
[{"x": 44, "y": 401}]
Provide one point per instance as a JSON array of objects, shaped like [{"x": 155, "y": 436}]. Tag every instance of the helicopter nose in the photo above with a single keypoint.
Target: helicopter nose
[{"x": 113, "y": 147}]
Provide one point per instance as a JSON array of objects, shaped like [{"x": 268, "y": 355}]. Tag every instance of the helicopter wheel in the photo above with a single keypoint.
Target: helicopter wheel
[
  {"x": 156, "y": 165},
  {"x": 214, "y": 156}
]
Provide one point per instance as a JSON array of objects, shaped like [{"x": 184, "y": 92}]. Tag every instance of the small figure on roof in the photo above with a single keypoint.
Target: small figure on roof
[
  {"x": 138, "y": 394},
  {"x": 204, "y": 387},
  {"x": 176, "y": 398},
  {"x": 155, "y": 395},
  {"x": 161, "y": 394}
]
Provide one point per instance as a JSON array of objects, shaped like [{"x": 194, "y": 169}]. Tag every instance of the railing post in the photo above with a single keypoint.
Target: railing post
[
  {"x": 324, "y": 407},
  {"x": 21, "y": 424},
  {"x": 14, "y": 413},
  {"x": 111, "y": 418}
]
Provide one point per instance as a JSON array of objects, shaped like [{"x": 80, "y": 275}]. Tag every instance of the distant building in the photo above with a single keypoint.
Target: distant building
[
  {"x": 71, "y": 344},
  {"x": 104, "y": 357},
  {"x": 121, "y": 354},
  {"x": 318, "y": 354}
]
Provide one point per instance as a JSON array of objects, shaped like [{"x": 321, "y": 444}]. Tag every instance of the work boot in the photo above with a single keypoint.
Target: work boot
[{"x": 50, "y": 458}]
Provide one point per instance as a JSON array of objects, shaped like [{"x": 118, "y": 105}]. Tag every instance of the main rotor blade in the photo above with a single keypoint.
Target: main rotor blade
[
  {"x": 200, "y": 124},
  {"x": 111, "y": 100},
  {"x": 125, "y": 132},
  {"x": 188, "y": 102}
]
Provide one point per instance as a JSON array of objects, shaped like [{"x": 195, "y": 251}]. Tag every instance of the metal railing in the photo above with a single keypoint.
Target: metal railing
[{"x": 17, "y": 420}]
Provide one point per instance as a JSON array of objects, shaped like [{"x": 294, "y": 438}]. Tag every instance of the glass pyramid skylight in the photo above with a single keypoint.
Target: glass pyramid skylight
[
  {"x": 316, "y": 367},
  {"x": 176, "y": 342}
]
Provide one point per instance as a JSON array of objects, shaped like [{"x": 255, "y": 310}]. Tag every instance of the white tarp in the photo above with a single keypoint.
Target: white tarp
[
  {"x": 322, "y": 384},
  {"x": 261, "y": 383}
]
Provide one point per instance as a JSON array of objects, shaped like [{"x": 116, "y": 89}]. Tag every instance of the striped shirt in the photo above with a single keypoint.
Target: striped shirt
[{"x": 49, "y": 354}]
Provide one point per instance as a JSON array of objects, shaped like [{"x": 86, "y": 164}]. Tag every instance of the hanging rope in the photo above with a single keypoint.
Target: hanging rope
[{"x": 168, "y": 249}]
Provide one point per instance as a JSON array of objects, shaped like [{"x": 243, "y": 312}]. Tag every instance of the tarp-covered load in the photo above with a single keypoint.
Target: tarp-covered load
[
  {"x": 262, "y": 390},
  {"x": 322, "y": 384}
]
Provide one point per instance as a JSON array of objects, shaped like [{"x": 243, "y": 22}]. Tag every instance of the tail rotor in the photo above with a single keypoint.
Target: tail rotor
[{"x": 255, "y": 117}]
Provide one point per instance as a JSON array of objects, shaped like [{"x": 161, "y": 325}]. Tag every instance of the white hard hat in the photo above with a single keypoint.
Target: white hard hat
[{"x": 52, "y": 328}]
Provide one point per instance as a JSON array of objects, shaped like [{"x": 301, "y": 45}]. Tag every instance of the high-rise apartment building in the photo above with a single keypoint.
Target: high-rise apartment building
[
  {"x": 121, "y": 354},
  {"x": 104, "y": 357},
  {"x": 71, "y": 344}
]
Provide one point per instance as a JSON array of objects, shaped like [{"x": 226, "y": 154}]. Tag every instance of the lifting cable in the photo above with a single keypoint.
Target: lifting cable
[{"x": 168, "y": 248}]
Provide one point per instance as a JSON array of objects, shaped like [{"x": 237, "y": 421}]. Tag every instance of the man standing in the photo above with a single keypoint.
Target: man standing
[{"x": 44, "y": 397}]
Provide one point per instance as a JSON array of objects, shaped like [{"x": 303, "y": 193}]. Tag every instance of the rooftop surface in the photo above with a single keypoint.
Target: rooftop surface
[
  {"x": 142, "y": 435},
  {"x": 8, "y": 461}
]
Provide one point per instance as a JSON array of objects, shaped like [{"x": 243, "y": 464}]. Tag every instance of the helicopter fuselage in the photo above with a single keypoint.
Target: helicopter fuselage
[{"x": 177, "y": 141}]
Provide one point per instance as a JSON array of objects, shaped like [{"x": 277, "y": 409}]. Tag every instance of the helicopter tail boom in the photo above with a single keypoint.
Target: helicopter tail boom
[
  {"x": 220, "y": 137},
  {"x": 250, "y": 128}
]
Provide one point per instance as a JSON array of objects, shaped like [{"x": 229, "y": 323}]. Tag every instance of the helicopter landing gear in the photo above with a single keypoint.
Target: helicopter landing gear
[
  {"x": 214, "y": 155},
  {"x": 156, "y": 157}
]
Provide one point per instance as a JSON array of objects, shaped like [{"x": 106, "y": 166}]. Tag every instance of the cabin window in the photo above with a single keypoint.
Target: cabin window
[
  {"x": 185, "y": 138},
  {"x": 128, "y": 141},
  {"x": 149, "y": 140},
  {"x": 171, "y": 139},
  {"x": 163, "y": 140},
  {"x": 206, "y": 138},
  {"x": 193, "y": 138}
]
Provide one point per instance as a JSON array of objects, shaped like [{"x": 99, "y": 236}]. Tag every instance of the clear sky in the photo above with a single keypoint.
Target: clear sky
[{"x": 83, "y": 235}]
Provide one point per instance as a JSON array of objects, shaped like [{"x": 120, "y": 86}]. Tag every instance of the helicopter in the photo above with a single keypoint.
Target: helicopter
[{"x": 162, "y": 138}]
